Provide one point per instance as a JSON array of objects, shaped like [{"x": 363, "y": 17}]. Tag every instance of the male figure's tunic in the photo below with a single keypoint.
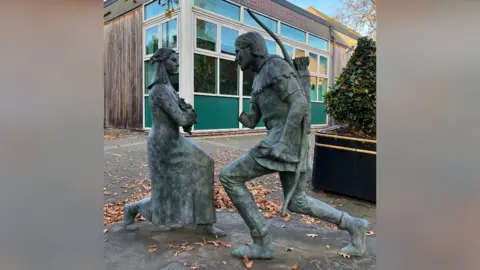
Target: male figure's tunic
[{"x": 274, "y": 82}]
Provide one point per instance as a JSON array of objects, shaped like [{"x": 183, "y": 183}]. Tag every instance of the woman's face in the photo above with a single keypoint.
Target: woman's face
[{"x": 171, "y": 65}]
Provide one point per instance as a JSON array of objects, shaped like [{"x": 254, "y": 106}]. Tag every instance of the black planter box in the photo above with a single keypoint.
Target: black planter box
[{"x": 345, "y": 165}]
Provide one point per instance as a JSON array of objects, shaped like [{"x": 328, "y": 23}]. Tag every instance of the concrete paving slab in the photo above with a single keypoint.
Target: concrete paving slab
[{"x": 129, "y": 250}]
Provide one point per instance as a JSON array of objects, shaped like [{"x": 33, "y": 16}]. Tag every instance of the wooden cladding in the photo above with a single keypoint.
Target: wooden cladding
[{"x": 123, "y": 71}]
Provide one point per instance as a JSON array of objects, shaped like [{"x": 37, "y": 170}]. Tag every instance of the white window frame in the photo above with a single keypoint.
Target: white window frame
[
  {"x": 280, "y": 31},
  {"x": 157, "y": 23},
  {"x": 328, "y": 42},
  {"x": 260, "y": 29},
  {"x": 160, "y": 16},
  {"x": 217, "y": 54},
  {"x": 198, "y": 10}
]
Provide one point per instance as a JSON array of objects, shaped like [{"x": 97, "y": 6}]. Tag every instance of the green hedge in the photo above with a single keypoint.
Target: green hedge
[{"x": 352, "y": 99}]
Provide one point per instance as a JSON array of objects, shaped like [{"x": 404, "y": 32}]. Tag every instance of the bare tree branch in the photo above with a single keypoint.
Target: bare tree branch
[{"x": 359, "y": 14}]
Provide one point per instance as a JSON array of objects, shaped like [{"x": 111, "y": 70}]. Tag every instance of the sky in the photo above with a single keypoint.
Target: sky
[{"x": 329, "y": 7}]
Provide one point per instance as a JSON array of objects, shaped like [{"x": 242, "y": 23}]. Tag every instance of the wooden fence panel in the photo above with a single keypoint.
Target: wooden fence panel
[{"x": 123, "y": 71}]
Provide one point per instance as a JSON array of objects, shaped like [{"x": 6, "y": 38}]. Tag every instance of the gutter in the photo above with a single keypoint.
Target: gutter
[{"x": 332, "y": 74}]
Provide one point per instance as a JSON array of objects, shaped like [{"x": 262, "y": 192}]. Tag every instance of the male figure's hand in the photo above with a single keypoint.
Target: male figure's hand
[
  {"x": 244, "y": 118},
  {"x": 282, "y": 152}
]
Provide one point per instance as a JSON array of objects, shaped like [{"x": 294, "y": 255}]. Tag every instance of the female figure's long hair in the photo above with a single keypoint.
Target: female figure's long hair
[{"x": 160, "y": 74}]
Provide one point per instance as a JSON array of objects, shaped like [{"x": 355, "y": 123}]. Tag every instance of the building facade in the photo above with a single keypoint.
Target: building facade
[{"x": 203, "y": 32}]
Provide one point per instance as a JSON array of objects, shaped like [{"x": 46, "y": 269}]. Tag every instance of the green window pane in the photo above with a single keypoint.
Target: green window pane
[
  {"x": 322, "y": 87},
  {"x": 271, "y": 24},
  {"x": 151, "y": 40},
  {"x": 148, "y": 112},
  {"x": 206, "y": 35},
  {"x": 313, "y": 88},
  {"x": 204, "y": 74},
  {"x": 153, "y": 9},
  {"x": 317, "y": 42},
  {"x": 313, "y": 66},
  {"x": 220, "y": 7},
  {"x": 247, "y": 82},
  {"x": 148, "y": 74},
  {"x": 323, "y": 65},
  {"x": 292, "y": 33},
  {"x": 228, "y": 40},
  {"x": 228, "y": 77},
  {"x": 271, "y": 46},
  {"x": 169, "y": 34}
]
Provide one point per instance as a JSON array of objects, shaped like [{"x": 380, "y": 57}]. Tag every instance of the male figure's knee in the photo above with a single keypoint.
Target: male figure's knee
[{"x": 225, "y": 178}]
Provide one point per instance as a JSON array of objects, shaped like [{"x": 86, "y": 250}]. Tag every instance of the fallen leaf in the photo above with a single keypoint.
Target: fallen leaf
[
  {"x": 248, "y": 264},
  {"x": 219, "y": 244},
  {"x": 152, "y": 248},
  {"x": 345, "y": 255},
  {"x": 309, "y": 220},
  {"x": 105, "y": 230},
  {"x": 214, "y": 243},
  {"x": 312, "y": 235},
  {"x": 290, "y": 249},
  {"x": 194, "y": 267},
  {"x": 327, "y": 246},
  {"x": 295, "y": 267},
  {"x": 287, "y": 217},
  {"x": 370, "y": 233}
]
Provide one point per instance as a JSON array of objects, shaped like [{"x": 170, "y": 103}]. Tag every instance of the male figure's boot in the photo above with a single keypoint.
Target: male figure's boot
[
  {"x": 357, "y": 227},
  {"x": 260, "y": 249}
]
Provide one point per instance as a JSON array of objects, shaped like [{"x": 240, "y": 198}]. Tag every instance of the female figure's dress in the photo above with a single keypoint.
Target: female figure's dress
[{"x": 182, "y": 173}]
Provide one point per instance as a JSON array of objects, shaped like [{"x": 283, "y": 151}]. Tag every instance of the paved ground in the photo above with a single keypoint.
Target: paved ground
[{"x": 126, "y": 178}]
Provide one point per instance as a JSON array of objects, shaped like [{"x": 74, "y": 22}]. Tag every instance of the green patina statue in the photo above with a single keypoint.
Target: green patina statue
[{"x": 278, "y": 97}]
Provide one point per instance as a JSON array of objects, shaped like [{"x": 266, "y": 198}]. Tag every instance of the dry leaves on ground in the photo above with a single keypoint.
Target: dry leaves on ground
[
  {"x": 109, "y": 137},
  {"x": 271, "y": 208},
  {"x": 287, "y": 217},
  {"x": 105, "y": 231},
  {"x": 248, "y": 264},
  {"x": 140, "y": 189},
  {"x": 309, "y": 220},
  {"x": 331, "y": 227},
  {"x": 370, "y": 233},
  {"x": 152, "y": 248},
  {"x": 295, "y": 267},
  {"x": 219, "y": 244},
  {"x": 290, "y": 249},
  {"x": 345, "y": 255},
  {"x": 113, "y": 211},
  {"x": 183, "y": 247}
]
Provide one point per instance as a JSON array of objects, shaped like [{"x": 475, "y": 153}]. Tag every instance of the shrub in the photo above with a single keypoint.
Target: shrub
[{"x": 352, "y": 99}]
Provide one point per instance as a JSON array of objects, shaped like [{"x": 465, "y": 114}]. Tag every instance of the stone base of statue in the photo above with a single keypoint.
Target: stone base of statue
[{"x": 161, "y": 248}]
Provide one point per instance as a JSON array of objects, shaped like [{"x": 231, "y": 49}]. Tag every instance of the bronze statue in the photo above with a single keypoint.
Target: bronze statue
[
  {"x": 182, "y": 174},
  {"x": 278, "y": 96}
]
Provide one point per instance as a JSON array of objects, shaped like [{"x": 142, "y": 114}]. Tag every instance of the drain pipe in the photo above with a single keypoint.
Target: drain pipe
[{"x": 331, "y": 121}]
